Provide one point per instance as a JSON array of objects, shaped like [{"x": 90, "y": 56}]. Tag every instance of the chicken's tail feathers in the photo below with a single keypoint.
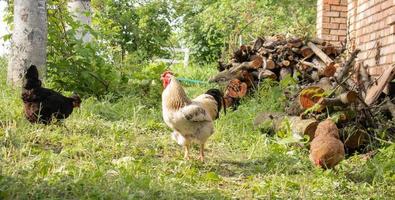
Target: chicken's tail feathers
[
  {"x": 32, "y": 78},
  {"x": 219, "y": 98}
]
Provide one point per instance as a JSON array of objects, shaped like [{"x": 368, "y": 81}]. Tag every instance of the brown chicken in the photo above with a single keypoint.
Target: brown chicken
[
  {"x": 326, "y": 150},
  {"x": 42, "y": 104}
]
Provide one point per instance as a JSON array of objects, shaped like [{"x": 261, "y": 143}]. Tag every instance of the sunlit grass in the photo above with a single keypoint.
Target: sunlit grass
[{"x": 122, "y": 150}]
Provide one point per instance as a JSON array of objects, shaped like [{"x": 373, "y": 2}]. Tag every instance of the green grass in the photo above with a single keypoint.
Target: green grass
[{"x": 123, "y": 150}]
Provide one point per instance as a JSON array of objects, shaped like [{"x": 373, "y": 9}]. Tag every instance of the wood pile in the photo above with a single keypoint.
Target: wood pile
[
  {"x": 276, "y": 58},
  {"x": 330, "y": 85}
]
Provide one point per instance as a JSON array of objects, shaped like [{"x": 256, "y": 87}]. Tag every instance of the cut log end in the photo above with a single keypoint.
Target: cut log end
[
  {"x": 329, "y": 70},
  {"x": 236, "y": 89}
]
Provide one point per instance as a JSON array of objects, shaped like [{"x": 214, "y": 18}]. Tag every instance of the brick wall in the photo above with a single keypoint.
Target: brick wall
[
  {"x": 332, "y": 20},
  {"x": 372, "y": 29}
]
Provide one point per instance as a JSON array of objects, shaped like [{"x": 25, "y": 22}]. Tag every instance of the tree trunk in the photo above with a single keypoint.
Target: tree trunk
[
  {"x": 29, "y": 39},
  {"x": 81, "y": 12}
]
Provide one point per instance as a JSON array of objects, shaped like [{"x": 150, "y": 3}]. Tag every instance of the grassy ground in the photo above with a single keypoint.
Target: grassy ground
[{"x": 122, "y": 150}]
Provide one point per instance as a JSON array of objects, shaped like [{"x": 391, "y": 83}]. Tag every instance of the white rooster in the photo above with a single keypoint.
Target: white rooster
[{"x": 191, "y": 120}]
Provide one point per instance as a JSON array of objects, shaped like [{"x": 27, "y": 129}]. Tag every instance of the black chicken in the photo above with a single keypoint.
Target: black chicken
[{"x": 42, "y": 104}]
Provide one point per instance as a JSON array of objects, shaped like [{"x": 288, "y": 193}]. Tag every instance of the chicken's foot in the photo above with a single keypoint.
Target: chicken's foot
[
  {"x": 186, "y": 155},
  {"x": 201, "y": 154}
]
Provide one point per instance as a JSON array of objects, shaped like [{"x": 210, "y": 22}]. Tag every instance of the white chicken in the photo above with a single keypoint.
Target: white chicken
[{"x": 191, "y": 120}]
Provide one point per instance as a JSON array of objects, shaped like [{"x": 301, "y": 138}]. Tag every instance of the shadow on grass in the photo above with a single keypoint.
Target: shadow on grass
[
  {"x": 265, "y": 165},
  {"x": 67, "y": 188}
]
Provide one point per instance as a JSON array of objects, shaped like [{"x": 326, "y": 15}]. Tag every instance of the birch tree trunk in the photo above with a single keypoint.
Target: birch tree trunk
[
  {"x": 81, "y": 12},
  {"x": 29, "y": 39}
]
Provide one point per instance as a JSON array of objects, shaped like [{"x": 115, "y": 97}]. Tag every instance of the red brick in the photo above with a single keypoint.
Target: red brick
[
  {"x": 332, "y": 14},
  {"x": 338, "y": 8},
  {"x": 332, "y": 2},
  {"x": 386, "y": 4},
  {"x": 326, "y": 7},
  {"x": 343, "y": 26},
  {"x": 326, "y": 19},
  {"x": 330, "y": 25},
  {"x": 391, "y": 20},
  {"x": 338, "y": 32},
  {"x": 389, "y": 49},
  {"x": 325, "y": 31},
  {"x": 339, "y": 20},
  {"x": 330, "y": 37}
]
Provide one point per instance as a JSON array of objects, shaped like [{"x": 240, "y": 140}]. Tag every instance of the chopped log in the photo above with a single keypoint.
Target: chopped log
[
  {"x": 303, "y": 126},
  {"x": 323, "y": 69},
  {"x": 296, "y": 50},
  {"x": 348, "y": 97},
  {"x": 306, "y": 51},
  {"x": 222, "y": 66},
  {"x": 354, "y": 139},
  {"x": 242, "y": 54},
  {"x": 247, "y": 78},
  {"x": 308, "y": 64},
  {"x": 255, "y": 63},
  {"x": 271, "y": 44},
  {"x": 329, "y": 50},
  {"x": 299, "y": 126},
  {"x": 236, "y": 89},
  {"x": 265, "y": 51},
  {"x": 317, "y": 51},
  {"x": 264, "y": 73},
  {"x": 324, "y": 83},
  {"x": 270, "y": 64},
  {"x": 258, "y": 43},
  {"x": 343, "y": 100},
  {"x": 375, "y": 90},
  {"x": 285, "y": 63},
  {"x": 308, "y": 97},
  {"x": 295, "y": 42}
]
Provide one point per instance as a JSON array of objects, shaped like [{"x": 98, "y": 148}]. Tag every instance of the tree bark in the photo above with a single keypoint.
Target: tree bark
[
  {"x": 29, "y": 40},
  {"x": 81, "y": 12}
]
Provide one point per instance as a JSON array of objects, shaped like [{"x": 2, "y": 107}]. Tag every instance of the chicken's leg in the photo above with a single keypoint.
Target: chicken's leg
[
  {"x": 201, "y": 155},
  {"x": 186, "y": 155}
]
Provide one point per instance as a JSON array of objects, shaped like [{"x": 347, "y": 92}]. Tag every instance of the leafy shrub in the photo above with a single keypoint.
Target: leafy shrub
[{"x": 210, "y": 27}]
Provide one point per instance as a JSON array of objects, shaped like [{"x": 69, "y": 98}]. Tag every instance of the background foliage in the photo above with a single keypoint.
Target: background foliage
[
  {"x": 211, "y": 27},
  {"x": 129, "y": 34}
]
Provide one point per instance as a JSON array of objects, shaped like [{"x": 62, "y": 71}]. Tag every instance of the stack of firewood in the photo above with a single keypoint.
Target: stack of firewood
[
  {"x": 330, "y": 84},
  {"x": 276, "y": 58}
]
